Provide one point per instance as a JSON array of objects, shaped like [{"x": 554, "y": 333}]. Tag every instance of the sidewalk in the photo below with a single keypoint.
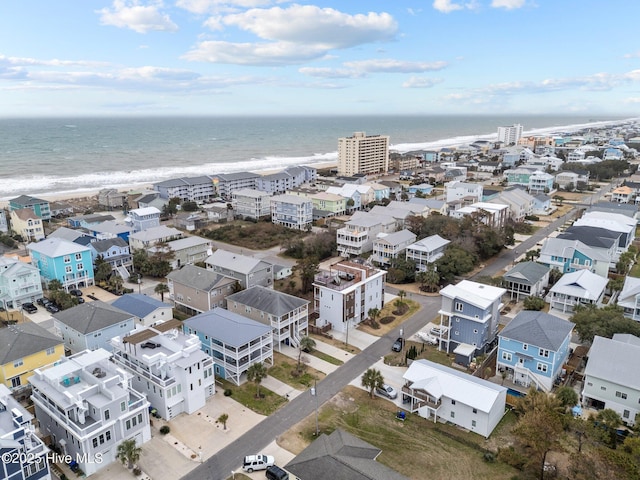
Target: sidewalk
[
  {"x": 280, "y": 388},
  {"x": 357, "y": 338},
  {"x": 311, "y": 360}
]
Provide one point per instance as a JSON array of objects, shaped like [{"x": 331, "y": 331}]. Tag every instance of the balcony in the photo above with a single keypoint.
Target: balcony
[{"x": 420, "y": 399}]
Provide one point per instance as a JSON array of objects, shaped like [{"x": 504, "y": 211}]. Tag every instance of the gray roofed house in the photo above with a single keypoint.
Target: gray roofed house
[
  {"x": 286, "y": 314},
  {"x": 196, "y": 289},
  {"x": 340, "y": 455},
  {"x": 186, "y": 251},
  {"x": 116, "y": 252},
  {"x": 91, "y": 325},
  {"x": 147, "y": 310},
  {"x": 426, "y": 251},
  {"x": 248, "y": 271},
  {"x": 67, "y": 234},
  {"x": 23, "y": 340},
  {"x": 594, "y": 237},
  {"x": 612, "y": 377},
  {"x": 235, "y": 342},
  {"x": 526, "y": 279},
  {"x": 569, "y": 255},
  {"x": 194, "y": 189},
  {"x": 391, "y": 246},
  {"x": 538, "y": 329},
  {"x": 626, "y": 209},
  {"x": 151, "y": 236}
]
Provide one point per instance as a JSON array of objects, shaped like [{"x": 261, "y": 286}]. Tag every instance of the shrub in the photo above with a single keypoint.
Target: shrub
[
  {"x": 137, "y": 471},
  {"x": 489, "y": 457},
  {"x": 165, "y": 429},
  {"x": 228, "y": 392}
]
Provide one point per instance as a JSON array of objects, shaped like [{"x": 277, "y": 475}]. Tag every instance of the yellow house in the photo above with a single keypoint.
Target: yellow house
[
  {"x": 329, "y": 202},
  {"x": 27, "y": 224},
  {"x": 23, "y": 348}
]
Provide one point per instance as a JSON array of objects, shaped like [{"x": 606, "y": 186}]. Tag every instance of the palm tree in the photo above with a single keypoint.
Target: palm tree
[
  {"x": 223, "y": 420},
  {"x": 161, "y": 289},
  {"x": 116, "y": 283},
  {"x": 256, "y": 373},
  {"x": 128, "y": 453},
  {"x": 307, "y": 344},
  {"x": 374, "y": 313},
  {"x": 54, "y": 285},
  {"x": 610, "y": 420},
  {"x": 429, "y": 279},
  {"x": 401, "y": 295},
  {"x": 372, "y": 379}
]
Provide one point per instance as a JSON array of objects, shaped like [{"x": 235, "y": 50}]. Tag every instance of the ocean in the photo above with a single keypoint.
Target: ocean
[{"x": 63, "y": 156}]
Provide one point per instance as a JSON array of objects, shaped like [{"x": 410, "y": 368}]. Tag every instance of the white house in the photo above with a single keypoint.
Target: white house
[
  {"x": 612, "y": 378},
  {"x": 448, "y": 395},
  {"x": 292, "y": 211},
  {"x": 144, "y": 218},
  {"x": 358, "y": 234},
  {"x": 87, "y": 407},
  {"x": 388, "y": 247},
  {"x": 577, "y": 288},
  {"x": 251, "y": 203},
  {"x": 457, "y": 190},
  {"x": 426, "y": 251},
  {"x": 629, "y": 298},
  {"x": 168, "y": 366}
]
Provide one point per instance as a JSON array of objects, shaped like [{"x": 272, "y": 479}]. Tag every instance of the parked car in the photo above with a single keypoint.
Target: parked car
[
  {"x": 397, "y": 345},
  {"x": 257, "y": 462},
  {"x": 437, "y": 331},
  {"x": 29, "y": 307},
  {"x": 51, "y": 308},
  {"x": 80, "y": 300},
  {"x": 276, "y": 473},
  {"x": 387, "y": 391},
  {"x": 75, "y": 292},
  {"x": 43, "y": 301}
]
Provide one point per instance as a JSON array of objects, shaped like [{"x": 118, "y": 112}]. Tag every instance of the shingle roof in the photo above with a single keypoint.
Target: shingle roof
[
  {"x": 56, "y": 247},
  {"x": 527, "y": 273},
  {"x": 538, "y": 329},
  {"x": 104, "y": 245},
  {"x": 227, "y": 327},
  {"x": 430, "y": 244},
  {"x": 155, "y": 233},
  {"x": 24, "y": 339},
  {"x": 198, "y": 278},
  {"x": 235, "y": 262},
  {"x": 92, "y": 316},
  {"x": 138, "y": 305},
  {"x": 26, "y": 214},
  {"x": 341, "y": 455},
  {"x": 66, "y": 234},
  {"x": 396, "y": 238},
  {"x": 268, "y": 300},
  {"x": 592, "y": 236}
]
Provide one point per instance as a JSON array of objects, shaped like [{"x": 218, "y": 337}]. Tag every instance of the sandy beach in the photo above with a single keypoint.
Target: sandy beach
[{"x": 87, "y": 196}]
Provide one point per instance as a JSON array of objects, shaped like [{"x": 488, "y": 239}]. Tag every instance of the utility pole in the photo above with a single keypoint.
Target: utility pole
[{"x": 314, "y": 393}]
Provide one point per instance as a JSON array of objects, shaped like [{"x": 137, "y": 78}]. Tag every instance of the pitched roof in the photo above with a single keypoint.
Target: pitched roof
[
  {"x": 268, "y": 300},
  {"x": 228, "y": 327},
  {"x": 104, "y": 245},
  {"x": 56, "y": 247},
  {"x": 155, "y": 233},
  {"x": 138, "y": 305},
  {"x": 340, "y": 455},
  {"x": 396, "y": 238},
  {"x": 66, "y": 234},
  {"x": 527, "y": 273},
  {"x": 198, "y": 278},
  {"x": 27, "y": 200},
  {"x": 615, "y": 360},
  {"x": 429, "y": 244},
  {"x": 582, "y": 284},
  {"x": 477, "y": 294},
  {"x": 24, "y": 339},
  {"x": 235, "y": 262},
  {"x": 630, "y": 290},
  {"x": 538, "y": 329},
  {"x": 26, "y": 214},
  {"x": 440, "y": 381},
  {"x": 592, "y": 236},
  {"x": 92, "y": 316}
]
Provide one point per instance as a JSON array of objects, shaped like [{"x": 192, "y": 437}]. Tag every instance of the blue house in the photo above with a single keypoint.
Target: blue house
[
  {"x": 469, "y": 318},
  {"x": 423, "y": 188},
  {"x": 569, "y": 256},
  {"x": 235, "y": 342},
  {"x": 62, "y": 260},
  {"x": 533, "y": 348}
]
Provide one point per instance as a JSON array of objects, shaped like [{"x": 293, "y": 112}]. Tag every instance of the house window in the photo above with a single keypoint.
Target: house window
[
  {"x": 95, "y": 443},
  {"x": 78, "y": 256},
  {"x": 15, "y": 382},
  {"x": 542, "y": 367},
  {"x": 108, "y": 435},
  {"x": 453, "y": 414},
  {"x": 473, "y": 423},
  {"x": 621, "y": 395},
  {"x": 475, "y": 410},
  {"x": 543, "y": 353},
  {"x": 507, "y": 356},
  {"x": 453, "y": 402},
  {"x": 625, "y": 414},
  {"x": 68, "y": 269},
  {"x": 51, "y": 351},
  {"x": 67, "y": 259},
  {"x": 459, "y": 306},
  {"x": 525, "y": 346},
  {"x": 123, "y": 406},
  {"x": 18, "y": 363},
  {"x": 79, "y": 267}
]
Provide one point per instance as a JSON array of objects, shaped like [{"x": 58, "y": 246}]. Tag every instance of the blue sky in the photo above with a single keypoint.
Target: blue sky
[{"x": 260, "y": 57}]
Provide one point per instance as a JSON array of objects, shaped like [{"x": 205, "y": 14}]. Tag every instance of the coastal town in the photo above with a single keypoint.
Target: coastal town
[{"x": 472, "y": 311}]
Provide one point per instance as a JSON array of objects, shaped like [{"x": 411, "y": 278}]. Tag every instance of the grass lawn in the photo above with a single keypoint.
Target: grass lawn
[
  {"x": 245, "y": 394},
  {"x": 257, "y": 236},
  {"x": 413, "y": 447},
  {"x": 284, "y": 370},
  {"x": 387, "y": 311},
  {"x": 428, "y": 352},
  {"x": 635, "y": 270},
  {"x": 326, "y": 357}
]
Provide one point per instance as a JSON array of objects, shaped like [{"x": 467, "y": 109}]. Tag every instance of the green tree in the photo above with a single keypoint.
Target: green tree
[
  {"x": 101, "y": 269},
  {"x": 116, "y": 283},
  {"x": 374, "y": 314},
  {"x": 190, "y": 206},
  {"x": 429, "y": 279},
  {"x": 54, "y": 285},
  {"x": 625, "y": 262},
  {"x": 534, "y": 303},
  {"x": 255, "y": 374},
  {"x": 567, "y": 396},
  {"x": 223, "y": 419},
  {"x": 604, "y": 322},
  {"x": 307, "y": 269},
  {"x": 609, "y": 421},
  {"x": 615, "y": 284},
  {"x": 372, "y": 379},
  {"x": 307, "y": 344},
  {"x": 128, "y": 453},
  {"x": 161, "y": 289},
  {"x": 455, "y": 261},
  {"x": 401, "y": 296}
]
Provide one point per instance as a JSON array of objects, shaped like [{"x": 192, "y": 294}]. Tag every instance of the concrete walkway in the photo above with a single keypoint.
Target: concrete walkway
[
  {"x": 280, "y": 388},
  {"x": 311, "y": 360},
  {"x": 356, "y": 337}
]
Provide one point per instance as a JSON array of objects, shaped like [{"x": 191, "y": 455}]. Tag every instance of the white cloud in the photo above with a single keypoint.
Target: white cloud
[
  {"x": 140, "y": 18},
  {"x": 390, "y": 65},
  {"x": 274, "y": 54},
  {"x": 632, "y": 100},
  {"x": 421, "y": 82},
  {"x": 508, "y": 4},
  {"x": 330, "y": 72},
  {"x": 446, "y": 6},
  {"x": 633, "y": 55},
  {"x": 218, "y": 6}
]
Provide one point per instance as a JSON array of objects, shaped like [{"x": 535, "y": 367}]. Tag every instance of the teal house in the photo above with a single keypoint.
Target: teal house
[{"x": 39, "y": 207}]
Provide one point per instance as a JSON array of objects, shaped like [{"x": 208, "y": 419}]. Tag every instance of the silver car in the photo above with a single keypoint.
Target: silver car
[{"x": 387, "y": 391}]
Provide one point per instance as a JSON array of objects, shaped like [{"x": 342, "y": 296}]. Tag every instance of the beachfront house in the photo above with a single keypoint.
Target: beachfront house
[
  {"x": 248, "y": 271},
  {"x": 233, "y": 341},
  {"x": 533, "y": 349},
  {"x": 20, "y": 443},
  {"x": 91, "y": 325},
  {"x": 23, "y": 348},
  {"x": 111, "y": 198},
  {"x": 388, "y": 247},
  {"x": 62, "y": 260},
  {"x": 168, "y": 366},
  {"x": 469, "y": 318},
  {"x": 188, "y": 189},
  {"x": 147, "y": 310},
  {"x": 345, "y": 293},
  {"x": 286, "y": 314},
  {"x": 26, "y": 223},
  {"x": 19, "y": 283},
  {"x": 250, "y": 203},
  {"x": 88, "y": 408},
  {"x": 40, "y": 207},
  {"x": 577, "y": 288},
  {"x": 195, "y": 289},
  {"x": 443, "y": 393},
  {"x": 292, "y": 211},
  {"x": 143, "y": 218},
  {"x": 426, "y": 251},
  {"x": 227, "y": 183}
]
